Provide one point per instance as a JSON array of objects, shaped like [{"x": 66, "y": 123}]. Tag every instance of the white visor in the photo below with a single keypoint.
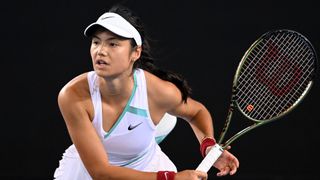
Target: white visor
[{"x": 116, "y": 24}]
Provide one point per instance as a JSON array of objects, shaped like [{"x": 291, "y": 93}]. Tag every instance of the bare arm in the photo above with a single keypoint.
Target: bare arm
[
  {"x": 164, "y": 97},
  {"x": 198, "y": 117},
  {"x": 167, "y": 97}
]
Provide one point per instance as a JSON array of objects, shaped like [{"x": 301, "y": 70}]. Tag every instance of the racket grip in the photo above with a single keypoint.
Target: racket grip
[{"x": 210, "y": 158}]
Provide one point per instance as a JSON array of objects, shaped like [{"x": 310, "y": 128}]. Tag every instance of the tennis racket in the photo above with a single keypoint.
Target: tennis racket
[{"x": 272, "y": 78}]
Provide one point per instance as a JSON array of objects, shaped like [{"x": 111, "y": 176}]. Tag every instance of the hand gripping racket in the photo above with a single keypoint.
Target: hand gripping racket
[{"x": 273, "y": 77}]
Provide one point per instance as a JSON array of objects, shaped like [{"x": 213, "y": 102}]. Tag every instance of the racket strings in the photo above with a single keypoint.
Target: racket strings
[
  {"x": 252, "y": 86},
  {"x": 283, "y": 81},
  {"x": 257, "y": 51},
  {"x": 279, "y": 104},
  {"x": 274, "y": 75},
  {"x": 274, "y": 81},
  {"x": 253, "y": 68},
  {"x": 307, "y": 70}
]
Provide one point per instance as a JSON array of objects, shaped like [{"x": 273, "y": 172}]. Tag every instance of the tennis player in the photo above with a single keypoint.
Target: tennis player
[{"x": 111, "y": 112}]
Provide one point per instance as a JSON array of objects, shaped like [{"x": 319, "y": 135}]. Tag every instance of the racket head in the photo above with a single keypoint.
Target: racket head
[{"x": 274, "y": 75}]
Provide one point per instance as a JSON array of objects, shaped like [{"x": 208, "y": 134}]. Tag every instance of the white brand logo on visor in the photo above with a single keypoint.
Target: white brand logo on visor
[{"x": 106, "y": 17}]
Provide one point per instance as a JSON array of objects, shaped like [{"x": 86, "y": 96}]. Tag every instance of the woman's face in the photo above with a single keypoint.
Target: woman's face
[{"x": 112, "y": 55}]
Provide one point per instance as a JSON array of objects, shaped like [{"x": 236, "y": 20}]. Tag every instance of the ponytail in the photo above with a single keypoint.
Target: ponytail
[{"x": 146, "y": 61}]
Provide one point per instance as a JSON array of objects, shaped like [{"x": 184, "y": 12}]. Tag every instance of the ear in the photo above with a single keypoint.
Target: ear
[{"x": 136, "y": 53}]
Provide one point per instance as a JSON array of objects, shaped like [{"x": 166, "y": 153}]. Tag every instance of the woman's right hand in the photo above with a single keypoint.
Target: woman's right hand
[{"x": 191, "y": 175}]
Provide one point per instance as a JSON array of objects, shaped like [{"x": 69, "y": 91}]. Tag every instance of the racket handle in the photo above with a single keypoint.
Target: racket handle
[{"x": 210, "y": 158}]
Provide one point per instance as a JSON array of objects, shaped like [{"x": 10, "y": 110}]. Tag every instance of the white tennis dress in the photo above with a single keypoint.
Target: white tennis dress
[{"x": 131, "y": 142}]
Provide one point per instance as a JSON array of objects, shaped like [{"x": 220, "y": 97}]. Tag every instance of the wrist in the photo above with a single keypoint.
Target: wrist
[
  {"x": 165, "y": 175},
  {"x": 205, "y": 143}
]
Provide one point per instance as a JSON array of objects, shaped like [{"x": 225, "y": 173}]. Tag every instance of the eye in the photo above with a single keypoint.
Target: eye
[
  {"x": 95, "y": 42},
  {"x": 113, "y": 44}
]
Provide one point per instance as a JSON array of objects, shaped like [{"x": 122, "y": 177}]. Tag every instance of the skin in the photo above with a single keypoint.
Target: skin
[{"x": 112, "y": 59}]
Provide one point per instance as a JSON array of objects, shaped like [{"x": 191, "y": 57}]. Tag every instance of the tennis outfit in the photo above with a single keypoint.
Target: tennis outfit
[{"x": 129, "y": 143}]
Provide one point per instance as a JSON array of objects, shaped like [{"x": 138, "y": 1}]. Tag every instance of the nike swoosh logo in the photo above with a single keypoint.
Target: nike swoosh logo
[
  {"x": 106, "y": 17},
  {"x": 132, "y": 127},
  {"x": 165, "y": 174}
]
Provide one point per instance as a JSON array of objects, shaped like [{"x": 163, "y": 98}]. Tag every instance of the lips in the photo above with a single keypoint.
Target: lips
[{"x": 101, "y": 62}]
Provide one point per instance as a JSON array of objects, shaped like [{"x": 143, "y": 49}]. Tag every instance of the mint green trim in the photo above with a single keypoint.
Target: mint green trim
[
  {"x": 137, "y": 111},
  {"x": 159, "y": 139},
  {"x": 126, "y": 107},
  {"x": 134, "y": 160}
]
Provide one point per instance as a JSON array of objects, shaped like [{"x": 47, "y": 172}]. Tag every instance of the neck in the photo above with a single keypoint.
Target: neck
[{"x": 116, "y": 90}]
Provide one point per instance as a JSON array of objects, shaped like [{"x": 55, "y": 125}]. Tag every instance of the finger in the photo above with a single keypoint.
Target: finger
[
  {"x": 233, "y": 169},
  {"x": 201, "y": 174},
  {"x": 237, "y": 162},
  {"x": 227, "y": 148},
  {"x": 224, "y": 171}
]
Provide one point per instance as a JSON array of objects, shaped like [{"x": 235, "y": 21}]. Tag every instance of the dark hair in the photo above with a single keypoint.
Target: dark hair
[{"x": 146, "y": 60}]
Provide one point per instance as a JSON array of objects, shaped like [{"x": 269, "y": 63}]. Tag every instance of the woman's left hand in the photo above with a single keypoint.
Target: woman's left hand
[{"x": 227, "y": 163}]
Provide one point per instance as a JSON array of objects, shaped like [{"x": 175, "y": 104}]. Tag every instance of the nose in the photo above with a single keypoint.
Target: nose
[{"x": 102, "y": 50}]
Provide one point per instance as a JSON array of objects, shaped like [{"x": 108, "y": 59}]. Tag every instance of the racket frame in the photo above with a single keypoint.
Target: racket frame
[
  {"x": 218, "y": 148},
  {"x": 234, "y": 104}
]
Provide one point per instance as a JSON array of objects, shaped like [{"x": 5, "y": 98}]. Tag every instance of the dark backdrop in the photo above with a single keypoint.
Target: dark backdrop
[{"x": 43, "y": 47}]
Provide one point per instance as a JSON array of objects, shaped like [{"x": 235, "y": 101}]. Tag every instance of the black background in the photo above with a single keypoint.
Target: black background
[{"x": 43, "y": 47}]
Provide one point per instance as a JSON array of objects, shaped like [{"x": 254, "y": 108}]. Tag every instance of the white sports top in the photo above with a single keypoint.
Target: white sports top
[{"x": 131, "y": 140}]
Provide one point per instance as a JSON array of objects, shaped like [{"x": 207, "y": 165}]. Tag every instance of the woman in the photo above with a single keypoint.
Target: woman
[{"x": 111, "y": 113}]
